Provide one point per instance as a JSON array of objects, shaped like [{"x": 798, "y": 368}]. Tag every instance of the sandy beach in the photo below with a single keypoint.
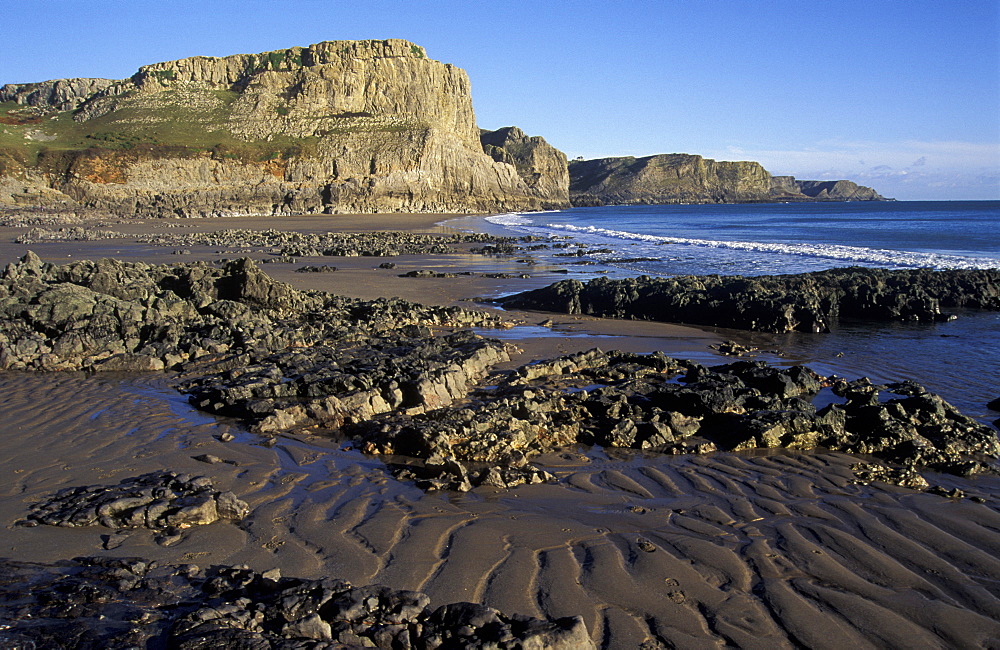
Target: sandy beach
[{"x": 778, "y": 550}]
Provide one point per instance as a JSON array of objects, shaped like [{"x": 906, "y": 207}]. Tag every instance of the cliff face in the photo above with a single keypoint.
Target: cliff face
[
  {"x": 541, "y": 166},
  {"x": 837, "y": 191},
  {"x": 684, "y": 178},
  {"x": 343, "y": 126}
]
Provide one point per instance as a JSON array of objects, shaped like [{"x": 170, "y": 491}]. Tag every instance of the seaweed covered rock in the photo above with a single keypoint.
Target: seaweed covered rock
[
  {"x": 113, "y": 315},
  {"x": 157, "y": 501},
  {"x": 617, "y": 399},
  {"x": 807, "y": 302},
  {"x": 93, "y": 602}
]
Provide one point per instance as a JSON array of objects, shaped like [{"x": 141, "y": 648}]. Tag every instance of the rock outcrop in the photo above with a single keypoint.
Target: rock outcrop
[
  {"x": 685, "y": 178},
  {"x": 60, "y": 94},
  {"x": 128, "y": 602},
  {"x": 650, "y": 401},
  {"x": 159, "y": 501},
  {"x": 342, "y": 126},
  {"x": 249, "y": 347},
  {"x": 541, "y": 166},
  {"x": 112, "y": 315},
  {"x": 807, "y": 302}
]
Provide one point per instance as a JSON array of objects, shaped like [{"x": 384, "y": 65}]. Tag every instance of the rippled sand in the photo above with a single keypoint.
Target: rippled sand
[{"x": 779, "y": 551}]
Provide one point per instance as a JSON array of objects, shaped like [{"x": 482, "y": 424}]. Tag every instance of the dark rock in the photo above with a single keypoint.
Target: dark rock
[
  {"x": 330, "y": 387},
  {"x": 953, "y": 493},
  {"x": 809, "y": 302},
  {"x": 617, "y": 399},
  {"x": 316, "y": 269},
  {"x": 126, "y": 602},
  {"x": 732, "y": 348},
  {"x": 110, "y": 315},
  {"x": 424, "y": 273},
  {"x": 158, "y": 501},
  {"x": 907, "y": 477}
]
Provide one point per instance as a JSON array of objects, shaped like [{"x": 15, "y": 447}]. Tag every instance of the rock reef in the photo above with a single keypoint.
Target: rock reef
[
  {"x": 281, "y": 243},
  {"x": 376, "y": 373},
  {"x": 158, "y": 501},
  {"x": 616, "y": 399},
  {"x": 808, "y": 302},
  {"x": 112, "y": 315},
  {"x": 97, "y": 602}
]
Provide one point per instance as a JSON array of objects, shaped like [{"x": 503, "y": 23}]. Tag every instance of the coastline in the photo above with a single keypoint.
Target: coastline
[{"x": 738, "y": 549}]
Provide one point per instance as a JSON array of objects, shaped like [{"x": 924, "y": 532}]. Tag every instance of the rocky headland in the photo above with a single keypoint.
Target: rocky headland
[
  {"x": 542, "y": 167},
  {"x": 342, "y": 126},
  {"x": 807, "y": 302},
  {"x": 686, "y": 178}
]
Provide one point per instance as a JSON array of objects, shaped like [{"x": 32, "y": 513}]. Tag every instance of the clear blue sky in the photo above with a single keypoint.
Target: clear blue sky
[{"x": 902, "y": 95}]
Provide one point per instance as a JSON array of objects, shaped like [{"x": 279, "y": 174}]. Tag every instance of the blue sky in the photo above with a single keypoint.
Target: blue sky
[{"x": 902, "y": 95}]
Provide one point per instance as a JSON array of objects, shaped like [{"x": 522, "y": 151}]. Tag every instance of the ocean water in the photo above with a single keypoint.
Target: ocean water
[{"x": 958, "y": 359}]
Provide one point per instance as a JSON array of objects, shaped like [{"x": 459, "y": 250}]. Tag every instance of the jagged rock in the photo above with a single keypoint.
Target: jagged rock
[
  {"x": 111, "y": 315},
  {"x": 809, "y": 302},
  {"x": 286, "y": 246},
  {"x": 330, "y": 387},
  {"x": 60, "y": 94},
  {"x": 616, "y": 399},
  {"x": 732, "y": 348},
  {"x": 541, "y": 166},
  {"x": 907, "y": 477},
  {"x": 425, "y": 273},
  {"x": 157, "y": 500},
  {"x": 127, "y": 602},
  {"x": 309, "y": 268},
  {"x": 281, "y": 359}
]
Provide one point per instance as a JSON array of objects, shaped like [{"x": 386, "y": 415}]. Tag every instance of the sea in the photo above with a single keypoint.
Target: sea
[{"x": 959, "y": 359}]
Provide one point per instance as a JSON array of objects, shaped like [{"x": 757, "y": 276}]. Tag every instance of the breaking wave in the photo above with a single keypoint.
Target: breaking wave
[{"x": 840, "y": 253}]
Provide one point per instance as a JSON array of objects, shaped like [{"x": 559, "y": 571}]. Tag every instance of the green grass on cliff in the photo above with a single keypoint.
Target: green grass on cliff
[{"x": 173, "y": 123}]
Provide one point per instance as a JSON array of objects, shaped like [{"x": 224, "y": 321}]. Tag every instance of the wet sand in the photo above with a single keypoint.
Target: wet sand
[{"x": 723, "y": 550}]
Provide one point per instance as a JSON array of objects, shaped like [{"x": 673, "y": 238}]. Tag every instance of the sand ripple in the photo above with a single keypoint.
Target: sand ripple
[{"x": 725, "y": 550}]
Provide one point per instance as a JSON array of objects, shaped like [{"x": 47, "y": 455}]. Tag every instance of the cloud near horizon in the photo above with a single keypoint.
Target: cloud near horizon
[{"x": 906, "y": 170}]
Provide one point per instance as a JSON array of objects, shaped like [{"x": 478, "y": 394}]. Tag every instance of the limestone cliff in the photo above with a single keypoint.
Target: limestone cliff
[
  {"x": 685, "y": 178},
  {"x": 342, "y": 126},
  {"x": 540, "y": 165},
  {"x": 836, "y": 191}
]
